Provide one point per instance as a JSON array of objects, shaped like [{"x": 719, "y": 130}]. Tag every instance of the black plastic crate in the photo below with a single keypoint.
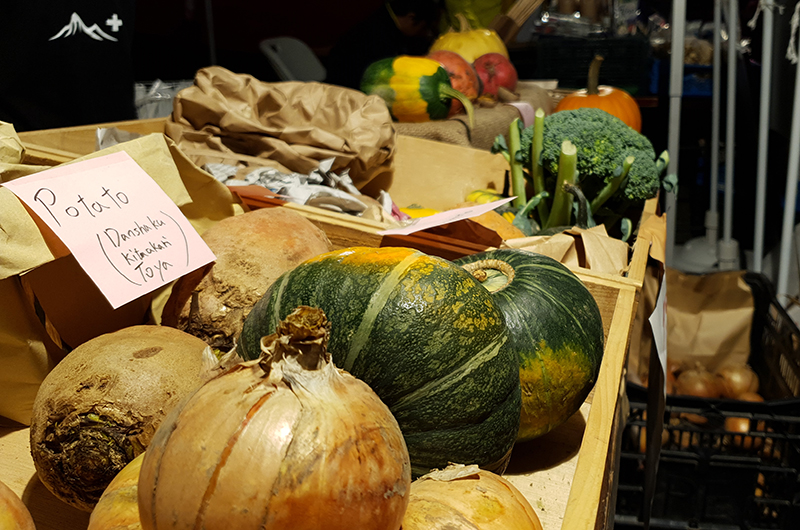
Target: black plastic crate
[
  {"x": 712, "y": 478},
  {"x": 626, "y": 61}
]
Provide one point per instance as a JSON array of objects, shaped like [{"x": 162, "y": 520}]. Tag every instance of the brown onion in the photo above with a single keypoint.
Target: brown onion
[
  {"x": 467, "y": 498},
  {"x": 736, "y": 379},
  {"x": 284, "y": 442},
  {"x": 118, "y": 507},
  {"x": 14, "y": 515},
  {"x": 697, "y": 382}
]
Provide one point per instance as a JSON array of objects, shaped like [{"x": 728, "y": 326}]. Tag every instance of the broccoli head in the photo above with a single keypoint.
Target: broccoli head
[{"x": 603, "y": 142}]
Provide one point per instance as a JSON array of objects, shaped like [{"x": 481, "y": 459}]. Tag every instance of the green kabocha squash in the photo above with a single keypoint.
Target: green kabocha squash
[
  {"x": 423, "y": 334},
  {"x": 554, "y": 327},
  {"x": 416, "y": 89}
]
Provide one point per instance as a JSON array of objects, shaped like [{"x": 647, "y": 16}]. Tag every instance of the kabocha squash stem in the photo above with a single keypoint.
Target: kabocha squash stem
[{"x": 478, "y": 269}]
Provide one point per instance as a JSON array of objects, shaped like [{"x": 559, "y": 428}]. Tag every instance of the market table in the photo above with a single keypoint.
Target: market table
[{"x": 568, "y": 475}]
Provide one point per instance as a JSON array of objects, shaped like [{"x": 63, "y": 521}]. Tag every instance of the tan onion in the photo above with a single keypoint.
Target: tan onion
[
  {"x": 284, "y": 442},
  {"x": 737, "y": 379},
  {"x": 467, "y": 498},
  {"x": 697, "y": 382}
]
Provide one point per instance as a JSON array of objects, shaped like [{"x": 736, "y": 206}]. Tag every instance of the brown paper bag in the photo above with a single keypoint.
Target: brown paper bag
[
  {"x": 590, "y": 248},
  {"x": 709, "y": 320},
  {"x": 238, "y": 120},
  {"x": 48, "y": 303}
]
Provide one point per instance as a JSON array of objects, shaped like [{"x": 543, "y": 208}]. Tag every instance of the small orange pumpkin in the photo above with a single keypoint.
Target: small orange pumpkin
[{"x": 613, "y": 100}]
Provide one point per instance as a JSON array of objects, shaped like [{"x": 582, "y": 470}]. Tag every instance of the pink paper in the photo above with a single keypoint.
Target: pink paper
[
  {"x": 443, "y": 218},
  {"x": 125, "y": 232}
]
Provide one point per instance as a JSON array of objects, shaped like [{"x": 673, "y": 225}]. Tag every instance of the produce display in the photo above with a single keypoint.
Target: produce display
[
  {"x": 555, "y": 329},
  {"x": 284, "y": 441},
  {"x": 424, "y": 335},
  {"x": 100, "y": 407},
  {"x": 252, "y": 250},
  {"x": 14, "y": 515},
  {"x": 463, "y": 497}
]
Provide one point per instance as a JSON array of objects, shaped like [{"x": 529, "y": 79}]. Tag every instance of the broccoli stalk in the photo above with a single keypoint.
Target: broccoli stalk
[
  {"x": 537, "y": 173},
  {"x": 517, "y": 176},
  {"x": 612, "y": 185},
  {"x": 561, "y": 211}
]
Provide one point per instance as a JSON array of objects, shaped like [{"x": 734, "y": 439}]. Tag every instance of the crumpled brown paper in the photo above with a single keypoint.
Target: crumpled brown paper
[
  {"x": 33, "y": 267},
  {"x": 590, "y": 248},
  {"x": 291, "y": 126}
]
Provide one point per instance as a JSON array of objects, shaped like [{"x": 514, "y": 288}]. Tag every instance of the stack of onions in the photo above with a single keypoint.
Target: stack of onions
[{"x": 285, "y": 441}]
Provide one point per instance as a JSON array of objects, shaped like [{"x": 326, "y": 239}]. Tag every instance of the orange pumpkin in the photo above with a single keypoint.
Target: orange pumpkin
[{"x": 613, "y": 100}]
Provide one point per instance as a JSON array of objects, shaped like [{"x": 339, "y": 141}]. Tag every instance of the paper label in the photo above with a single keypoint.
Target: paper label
[
  {"x": 443, "y": 218},
  {"x": 658, "y": 323},
  {"x": 124, "y": 231}
]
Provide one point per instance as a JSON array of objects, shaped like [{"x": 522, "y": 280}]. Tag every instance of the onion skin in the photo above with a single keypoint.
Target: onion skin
[
  {"x": 467, "y": 498},
  {"x": 697, "y": 382},
  {"x": 14, "y": 515},
  {"x": 740, "y": 425},
  {"x": 278, "y": 444},
  {"x": 737, "y": 379},
  {"x": 118, "y": 507}
]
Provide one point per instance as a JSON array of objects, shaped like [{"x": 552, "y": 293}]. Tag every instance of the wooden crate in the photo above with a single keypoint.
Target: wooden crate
[{"x": 567, "y": 475}]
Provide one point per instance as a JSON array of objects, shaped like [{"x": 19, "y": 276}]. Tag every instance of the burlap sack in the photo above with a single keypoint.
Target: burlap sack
[
  {"x": 489, "y": 122},
  {"x": 291, "y": 126}
]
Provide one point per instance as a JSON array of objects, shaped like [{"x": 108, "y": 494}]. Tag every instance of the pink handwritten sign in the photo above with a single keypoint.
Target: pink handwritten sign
[
  {"x": 124, "y": 231},
  {"x": 448, "y": 216}
]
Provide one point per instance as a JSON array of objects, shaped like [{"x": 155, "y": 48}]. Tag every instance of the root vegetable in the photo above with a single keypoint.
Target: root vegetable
[
  {"x": 467, "y": 498},
  {"x": 252, "y": 250},
  {"x": 697, "y": 382},
  {"x": 287, "y": 441},
  {"x": 100, "y": 406},
  {"x": 118, "y": 507},
  {"x": 737, "y": 379}
]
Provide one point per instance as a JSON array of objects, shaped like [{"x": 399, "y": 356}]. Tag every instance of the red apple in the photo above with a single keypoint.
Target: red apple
[{"x": 495, "y": 71}]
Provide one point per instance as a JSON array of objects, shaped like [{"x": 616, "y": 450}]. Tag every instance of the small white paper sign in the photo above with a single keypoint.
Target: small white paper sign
[
  {"x": 658, "y": 323},
  {"x": 443, "y": 218},
  {"x": 124, "y": 231}
]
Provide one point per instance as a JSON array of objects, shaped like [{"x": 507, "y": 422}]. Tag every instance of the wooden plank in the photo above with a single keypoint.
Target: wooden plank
[
  {"x": 18, "y": 473},
  {"x": 590, "y": 472},
  {"x": 447, "y": 173},
  {"x": 81, "y": 139}
]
